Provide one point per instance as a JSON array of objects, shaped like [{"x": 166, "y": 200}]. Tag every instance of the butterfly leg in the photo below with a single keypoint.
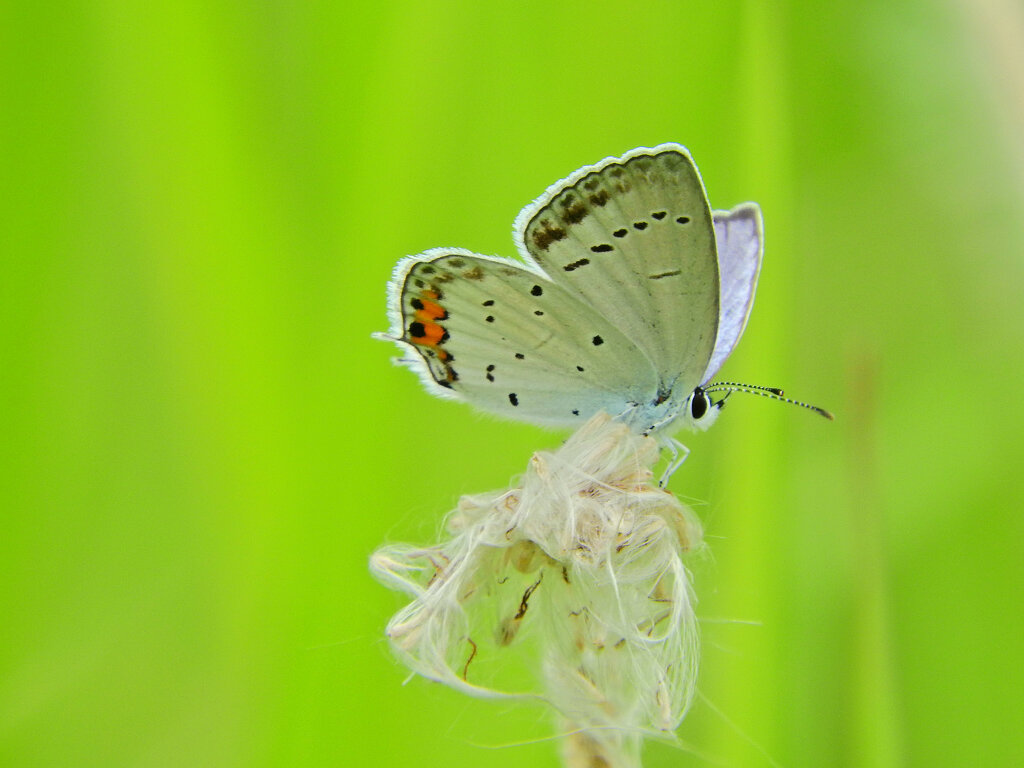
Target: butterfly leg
[{"x": 679, "y": 453}]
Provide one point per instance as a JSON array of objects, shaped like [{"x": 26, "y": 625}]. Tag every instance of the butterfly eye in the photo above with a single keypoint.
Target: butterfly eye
[{"x": 698, "y": 403}]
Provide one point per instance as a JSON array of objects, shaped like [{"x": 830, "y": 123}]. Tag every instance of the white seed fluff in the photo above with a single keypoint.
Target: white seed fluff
[{"x": 569, "y": 586}]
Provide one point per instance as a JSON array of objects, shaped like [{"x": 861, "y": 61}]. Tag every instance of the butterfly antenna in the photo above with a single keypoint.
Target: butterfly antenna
[
  {"x": 744, "y": 387},
  {"x": 772, "y": 393}
]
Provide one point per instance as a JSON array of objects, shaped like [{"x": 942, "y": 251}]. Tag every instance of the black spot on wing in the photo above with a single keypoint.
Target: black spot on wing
[
  {"x": 597, "y": 341},
  {"x": 537, "y": 290},
  {"x": 579, "y": 263},
  {"x": 602, "y": 248},
  {"x": 659, "y": 215},
  {"x": 620, "y": 232},
  {"x": 513, "y": 398}
]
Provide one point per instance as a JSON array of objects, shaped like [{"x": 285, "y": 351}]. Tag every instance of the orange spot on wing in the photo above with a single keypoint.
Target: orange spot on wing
[
  {"x": 432, "y": 335},
  {"x": 430, "y": 311}
]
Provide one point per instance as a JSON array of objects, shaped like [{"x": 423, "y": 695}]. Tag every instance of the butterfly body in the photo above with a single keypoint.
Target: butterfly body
[{"x": 630, "y": 294}]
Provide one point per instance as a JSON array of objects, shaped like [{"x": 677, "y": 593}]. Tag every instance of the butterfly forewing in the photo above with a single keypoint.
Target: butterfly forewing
[
  {"x": 632, "y": 237},
  {"x": 510, "y": 341}
]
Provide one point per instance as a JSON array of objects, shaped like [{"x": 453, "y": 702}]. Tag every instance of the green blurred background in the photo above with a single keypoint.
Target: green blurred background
[{"x": 202, "y": 203}]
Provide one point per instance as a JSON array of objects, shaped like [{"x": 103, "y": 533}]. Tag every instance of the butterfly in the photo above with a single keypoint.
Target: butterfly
[{"x": 629, "y": 296}]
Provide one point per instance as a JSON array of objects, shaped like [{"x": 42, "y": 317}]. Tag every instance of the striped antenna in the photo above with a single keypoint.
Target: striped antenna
[
  {"x": 772, "y": 393},
  {"x": 745, "y": 387}
]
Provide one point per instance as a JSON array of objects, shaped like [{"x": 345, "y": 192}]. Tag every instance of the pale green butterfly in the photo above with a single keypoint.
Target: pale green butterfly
[{"x": 630, "y": 295}]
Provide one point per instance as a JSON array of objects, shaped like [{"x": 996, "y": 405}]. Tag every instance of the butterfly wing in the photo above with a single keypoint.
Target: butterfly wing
[
  {"x": 500, "y": 335},
  {"x": 632, "y": 237},
  {"x": 739, "y": 237}
]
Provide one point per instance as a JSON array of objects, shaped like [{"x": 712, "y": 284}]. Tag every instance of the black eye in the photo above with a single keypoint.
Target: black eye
[{"x": 698, "y": 403}]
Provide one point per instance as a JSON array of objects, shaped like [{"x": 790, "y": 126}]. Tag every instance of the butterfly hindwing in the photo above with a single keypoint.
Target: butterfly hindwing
[
  {"x": 739, "y": 239},
  {"x": 632, "y": 237},
  {"x": 503, "y": 337}
]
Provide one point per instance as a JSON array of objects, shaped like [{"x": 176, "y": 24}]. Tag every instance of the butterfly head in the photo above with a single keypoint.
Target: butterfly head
[
  {"x": 695, "y": 412},
  {"x": 700, "y": 410}
]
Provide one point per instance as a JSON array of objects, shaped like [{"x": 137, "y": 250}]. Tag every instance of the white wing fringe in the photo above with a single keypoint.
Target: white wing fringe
[{"x": 569, "y": 586}]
